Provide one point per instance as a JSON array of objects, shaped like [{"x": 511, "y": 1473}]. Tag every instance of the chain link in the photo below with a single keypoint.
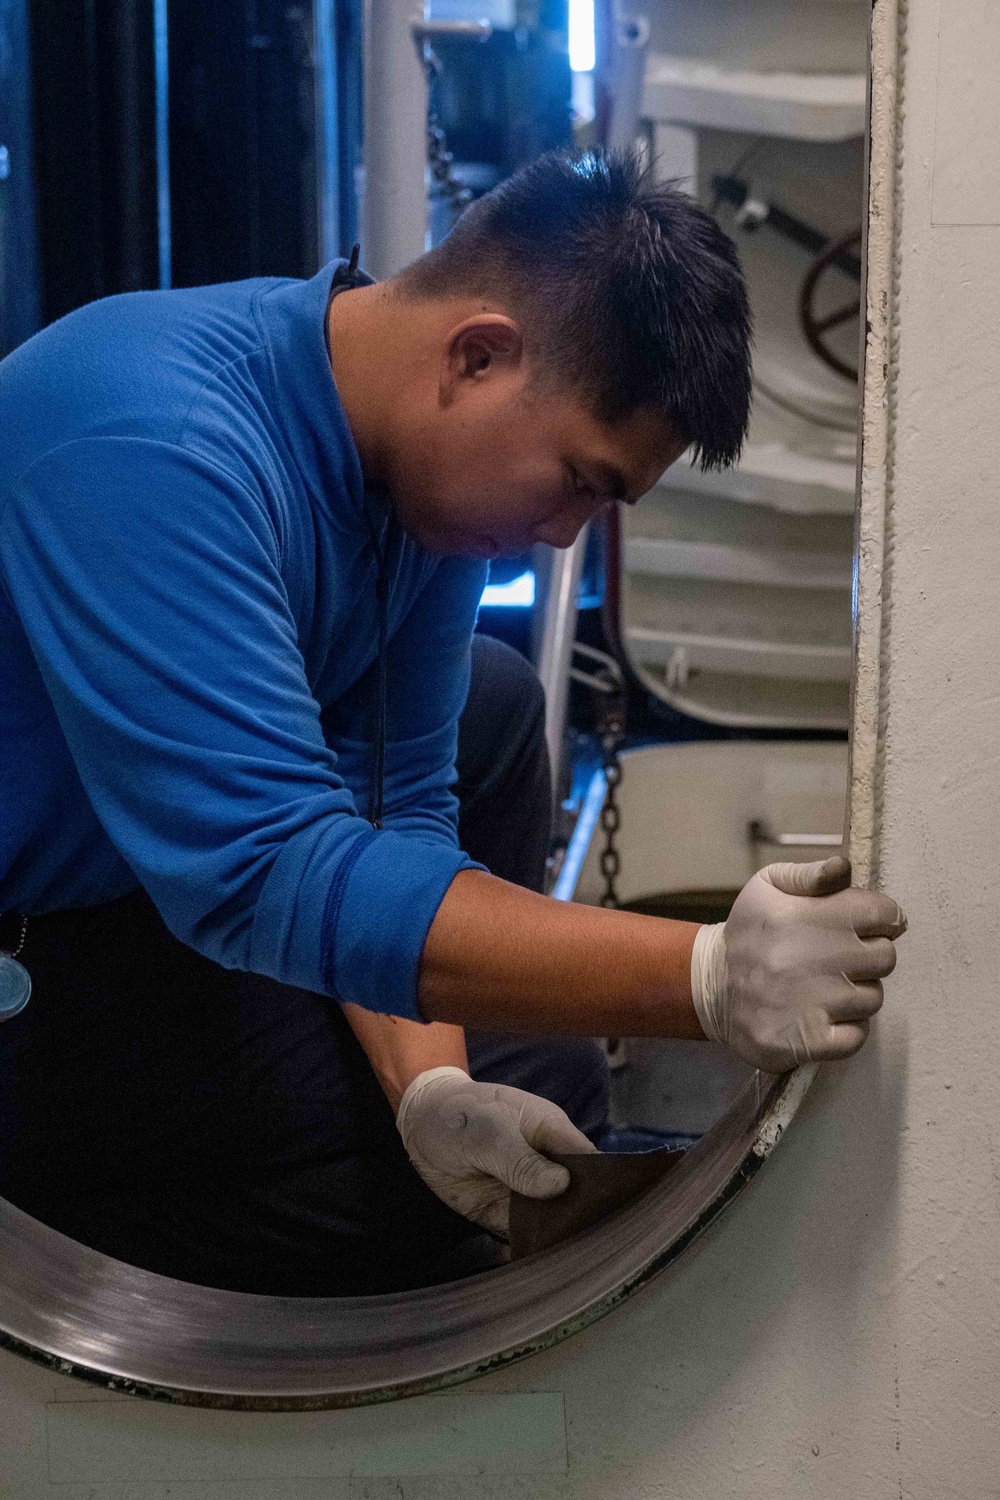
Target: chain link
[
  {"x": 612, "y": 731},
  {"x": 612, "y": 818},
  {"x": 439, "y": 159},
  {"x": 609, "y": 691}
]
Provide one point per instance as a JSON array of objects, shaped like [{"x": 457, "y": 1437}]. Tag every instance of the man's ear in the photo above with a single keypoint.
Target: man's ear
[{"x": 477, "y": 349}]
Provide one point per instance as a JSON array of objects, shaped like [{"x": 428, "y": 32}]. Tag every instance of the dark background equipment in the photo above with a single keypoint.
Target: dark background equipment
[
  {"x": 168, "y": 142},
  {"x": 150, "y": 143}
]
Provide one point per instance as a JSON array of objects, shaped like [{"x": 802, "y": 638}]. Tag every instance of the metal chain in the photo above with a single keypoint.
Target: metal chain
[
  {"x": 439, "y": 158},
  {"x": 612, "y": 732},
  {"x": 607, "y": 684}
]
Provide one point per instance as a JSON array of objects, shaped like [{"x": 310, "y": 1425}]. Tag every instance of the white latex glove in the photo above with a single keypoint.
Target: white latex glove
[
  {"x": 795, "y": 975},
  {"x": 473, "y": 1142}
]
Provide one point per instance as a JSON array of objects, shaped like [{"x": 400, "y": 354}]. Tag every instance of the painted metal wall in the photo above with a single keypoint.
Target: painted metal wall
[{"x": 836, "y": 1333}]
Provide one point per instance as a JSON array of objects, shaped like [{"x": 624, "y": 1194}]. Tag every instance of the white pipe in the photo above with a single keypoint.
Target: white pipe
[
  {"x": 628, "y": 73},
  {"x": 327, "y": 131},
  {"x": 555, "y": 652},
  {"x": 394, "y": 211}
]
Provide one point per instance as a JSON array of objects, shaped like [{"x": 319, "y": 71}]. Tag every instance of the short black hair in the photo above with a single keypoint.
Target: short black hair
[{"x": 628, "y": 291}]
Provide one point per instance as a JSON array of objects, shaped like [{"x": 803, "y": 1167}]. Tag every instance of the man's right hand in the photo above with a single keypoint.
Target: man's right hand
[
  {"x": 475, "y": 1143},
  {"x": 795, "y": 974}
]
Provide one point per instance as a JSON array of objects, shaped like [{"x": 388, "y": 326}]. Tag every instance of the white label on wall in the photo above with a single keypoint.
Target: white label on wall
[
  {"x": 967, "y": 135},
  {"x": 91, "y": 1442}
]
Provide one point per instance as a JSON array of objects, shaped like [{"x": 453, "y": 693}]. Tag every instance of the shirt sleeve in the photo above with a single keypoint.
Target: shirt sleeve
[{"x": 149, "y": 584}]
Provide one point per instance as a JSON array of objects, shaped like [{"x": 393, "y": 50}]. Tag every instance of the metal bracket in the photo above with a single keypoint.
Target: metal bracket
[{"x": 760, "y": 833}]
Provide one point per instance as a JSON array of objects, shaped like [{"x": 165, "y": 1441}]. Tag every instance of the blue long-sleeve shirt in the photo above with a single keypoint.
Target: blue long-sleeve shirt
[{"x": 187, "y": 644}]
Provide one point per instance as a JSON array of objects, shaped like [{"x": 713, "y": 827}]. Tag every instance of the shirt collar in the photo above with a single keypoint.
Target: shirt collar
[{"x": 292, "y": 316}]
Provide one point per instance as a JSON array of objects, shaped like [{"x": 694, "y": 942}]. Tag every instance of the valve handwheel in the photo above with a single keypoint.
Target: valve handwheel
[{"x": 815, "y": 327}]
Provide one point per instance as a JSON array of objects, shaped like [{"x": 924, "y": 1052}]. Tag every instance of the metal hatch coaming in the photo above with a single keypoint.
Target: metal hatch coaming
[{"x": 83, "y": 1313}]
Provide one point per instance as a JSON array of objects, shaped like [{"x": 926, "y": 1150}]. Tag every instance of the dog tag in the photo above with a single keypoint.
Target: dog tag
[{"x": 15, "y": 987}]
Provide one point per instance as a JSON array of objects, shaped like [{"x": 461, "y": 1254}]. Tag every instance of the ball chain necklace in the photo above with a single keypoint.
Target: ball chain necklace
[{"x": 15, "y": 981}]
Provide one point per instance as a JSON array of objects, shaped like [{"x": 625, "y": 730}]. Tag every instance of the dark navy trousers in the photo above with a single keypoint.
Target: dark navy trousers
[{"x": 223, "y": 1128}]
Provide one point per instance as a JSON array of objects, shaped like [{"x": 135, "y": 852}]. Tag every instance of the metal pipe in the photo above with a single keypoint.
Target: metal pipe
[
  {"x": 162, "y": 116},
  {"x": 628, "y": 73},
  {"x": 761, "y": 833},
  {"x": 394, "y": 215},
  {"x": 462, "y": 31},
  {"x": 324, "y": 50},
  {"x": 555, "y": 651}
]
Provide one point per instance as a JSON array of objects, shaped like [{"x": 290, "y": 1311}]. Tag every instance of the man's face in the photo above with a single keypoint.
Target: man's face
[{"x": 491, "y": 463}]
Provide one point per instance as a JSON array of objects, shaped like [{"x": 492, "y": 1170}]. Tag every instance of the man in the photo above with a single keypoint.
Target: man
[{"x": 243, "y": 535}]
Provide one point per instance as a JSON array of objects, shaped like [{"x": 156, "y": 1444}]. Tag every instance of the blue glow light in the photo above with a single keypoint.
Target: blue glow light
[
  {"x": 582, "y": 46},
  {"x": 519, "y": 591},
  {"x": 162, "y": 131}
]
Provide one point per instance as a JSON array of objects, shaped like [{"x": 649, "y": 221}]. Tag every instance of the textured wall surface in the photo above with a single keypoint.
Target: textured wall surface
[{"x": 837, "y": 1334}]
